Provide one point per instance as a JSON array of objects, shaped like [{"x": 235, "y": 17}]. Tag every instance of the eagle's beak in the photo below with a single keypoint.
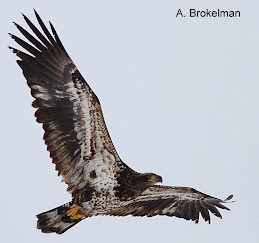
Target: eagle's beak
[{"x": 159, "y": 179}]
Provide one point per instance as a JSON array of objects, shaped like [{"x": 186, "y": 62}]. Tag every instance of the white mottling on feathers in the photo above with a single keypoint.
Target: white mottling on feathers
[
  {"x": 93, "y": 137},
  {"x": 75, "y": 179},
  {"x": 81, "y": 107},
  {"x": 79, "y": 135},
  {"x": 52, "y": 126},
  {"x": 55, "y": 219},
  {"x": 42, "y": 96},
  {"x": 104, "y": 177},
  {"x": 39, "y": 88},
  {"x": 168, "y": 193},
  {"x": 76, "y": 151},
  {"x": 86, "y": 205},
  {"x": 103, "y": 183},
  {"x": 42, "y": 93},
  {"x": 58, "y": 92},
  {"x": 73, "y": 69},
  {"x": 170, "y": 209}
]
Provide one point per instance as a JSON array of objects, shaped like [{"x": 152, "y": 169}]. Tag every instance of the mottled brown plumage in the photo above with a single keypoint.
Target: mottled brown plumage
[{"x": 82, "y": 150}]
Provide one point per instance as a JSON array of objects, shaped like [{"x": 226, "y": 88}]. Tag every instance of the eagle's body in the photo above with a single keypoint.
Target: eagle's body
[{"x": 81, "y": 148}]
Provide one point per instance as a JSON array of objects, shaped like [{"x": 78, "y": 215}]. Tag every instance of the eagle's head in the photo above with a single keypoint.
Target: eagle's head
[
  {"x": 132, "y": 183},
  {"x": 150, "y": 178}
]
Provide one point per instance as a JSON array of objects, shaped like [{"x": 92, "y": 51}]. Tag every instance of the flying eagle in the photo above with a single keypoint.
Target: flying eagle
[{"x": 82, "y": 150}]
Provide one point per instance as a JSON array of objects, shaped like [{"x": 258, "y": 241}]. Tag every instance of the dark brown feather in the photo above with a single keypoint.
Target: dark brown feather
[{"x": 182, "y": 202}]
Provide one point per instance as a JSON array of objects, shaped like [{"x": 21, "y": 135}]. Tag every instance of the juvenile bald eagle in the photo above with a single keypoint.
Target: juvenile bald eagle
[{"x": 81, "y": 148}]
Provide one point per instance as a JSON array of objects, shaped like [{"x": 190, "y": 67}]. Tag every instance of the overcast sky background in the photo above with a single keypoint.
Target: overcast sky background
[{"x": 180, "y": 98}]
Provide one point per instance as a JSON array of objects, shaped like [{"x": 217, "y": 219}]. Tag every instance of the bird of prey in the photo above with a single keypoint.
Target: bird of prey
[{"x": 82, "y": 150}]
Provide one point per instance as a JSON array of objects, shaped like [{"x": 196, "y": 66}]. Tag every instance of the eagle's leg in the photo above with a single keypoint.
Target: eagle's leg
[{"x": 74, "y": 214}]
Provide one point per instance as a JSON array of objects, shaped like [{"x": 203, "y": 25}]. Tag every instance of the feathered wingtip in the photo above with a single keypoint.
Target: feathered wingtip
[
  {"x": 227, "y": 200},
  {"x": 43, "y": 43},
  {"x": 15, "y": 51}
]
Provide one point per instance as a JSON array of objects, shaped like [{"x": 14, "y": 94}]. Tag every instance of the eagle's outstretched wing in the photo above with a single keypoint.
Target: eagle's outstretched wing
[
  {"x": 181, "y": 202},
  {"x": 75, "y": 131}
]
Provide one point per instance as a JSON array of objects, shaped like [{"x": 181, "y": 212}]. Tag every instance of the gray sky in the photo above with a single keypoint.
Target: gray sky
[{"x": 180, "y": 98}]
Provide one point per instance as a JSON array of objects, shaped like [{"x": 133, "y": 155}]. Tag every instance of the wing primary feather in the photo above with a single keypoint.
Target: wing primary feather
[
  {"x": 37, "y": 70},
  {"x": 22, "y": 55},
  {"x": 38, "y": 33},
  {"x": 49, "y": 56},
  {"x": 214, "y": 210},
  {"x": 204, "y": 211},
  {"x": 228, "y": 198},
  {"x": 30, "y": 37},
  {"x": 54, "y": 46},
  {"x": 57, "y": 37},
  {"x": 25, "y": 45},
  {"x": 44, "y": 28},
  {"x": 219, "y": 205}
]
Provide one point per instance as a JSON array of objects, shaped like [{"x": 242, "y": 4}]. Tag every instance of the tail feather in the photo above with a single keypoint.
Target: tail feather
[{"x": 56, "y": 220}]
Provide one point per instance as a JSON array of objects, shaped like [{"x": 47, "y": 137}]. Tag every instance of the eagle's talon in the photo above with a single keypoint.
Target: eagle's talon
[
  {"x": 72, "y": 212},
  {"x": 77, "y": 216}
]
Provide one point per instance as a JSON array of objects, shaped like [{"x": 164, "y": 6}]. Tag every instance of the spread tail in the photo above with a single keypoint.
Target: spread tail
[{"x": 60, "y": 219}]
